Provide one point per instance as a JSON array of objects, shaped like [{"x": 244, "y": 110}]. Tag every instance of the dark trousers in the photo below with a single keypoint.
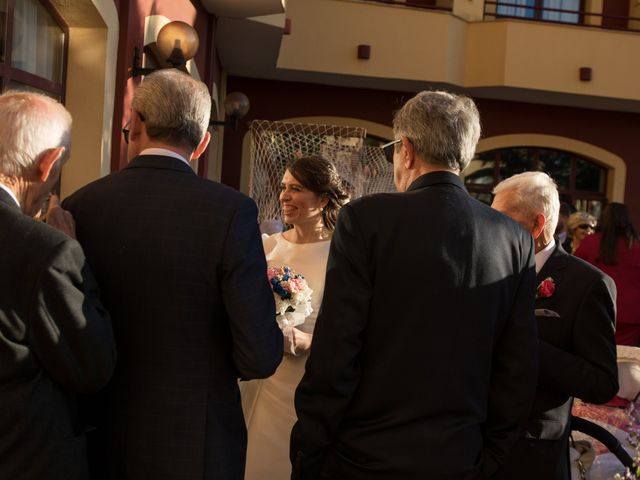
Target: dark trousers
[{"x": 533, "y": 459}]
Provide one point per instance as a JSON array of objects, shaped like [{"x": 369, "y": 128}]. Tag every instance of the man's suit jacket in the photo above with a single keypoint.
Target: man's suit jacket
[
  {"x": 180, "y": 261},
  {"x": 55, "y": 341},
  {"x": 577, "y": 357},
  {"x": 424, "y": 354}
]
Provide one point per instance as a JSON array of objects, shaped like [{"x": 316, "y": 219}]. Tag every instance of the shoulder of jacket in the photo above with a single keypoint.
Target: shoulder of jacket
[
  {"x": 586, "y": 270},
  {"x": 42, "y": 240}
]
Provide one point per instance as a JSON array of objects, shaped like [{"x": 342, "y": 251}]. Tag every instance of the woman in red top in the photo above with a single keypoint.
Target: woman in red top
[{"x": 616, "y": 251}]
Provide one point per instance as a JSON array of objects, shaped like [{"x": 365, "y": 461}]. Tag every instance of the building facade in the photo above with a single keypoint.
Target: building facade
[{"x": 557, "y": 82}]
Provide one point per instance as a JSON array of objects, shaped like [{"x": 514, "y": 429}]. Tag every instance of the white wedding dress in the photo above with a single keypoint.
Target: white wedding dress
[{"x": 268, "y": 404}]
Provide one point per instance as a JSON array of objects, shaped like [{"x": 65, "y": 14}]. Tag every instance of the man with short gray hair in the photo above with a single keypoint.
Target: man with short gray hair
[
  {"x": 424, "y": 354},
  {"x": 55, "y": 336},
  {"x": 181, "y": 263},
  {"x": 575, "y": 311}
]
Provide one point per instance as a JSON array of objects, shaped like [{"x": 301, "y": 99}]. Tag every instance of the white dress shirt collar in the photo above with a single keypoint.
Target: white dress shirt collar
[
  {"x": 10, "y": 192},
  {"x": 543, "y": 255},
  {"x": 165, "y": 153}
]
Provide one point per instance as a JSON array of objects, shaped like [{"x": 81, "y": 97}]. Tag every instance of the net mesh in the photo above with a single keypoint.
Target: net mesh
[{"x": 363, "y": 168}]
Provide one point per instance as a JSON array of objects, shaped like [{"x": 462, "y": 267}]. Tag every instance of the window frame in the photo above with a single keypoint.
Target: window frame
[
  {"x": 571, "y": 194},
  {"x": 538, "y": 8},
  {"x": 9, "y": 73}
]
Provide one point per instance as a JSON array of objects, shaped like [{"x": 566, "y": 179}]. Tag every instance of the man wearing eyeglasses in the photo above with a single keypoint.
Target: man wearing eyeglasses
[
  {"x": 424, "y": 355},
  {"x": 181, "y": 263}
]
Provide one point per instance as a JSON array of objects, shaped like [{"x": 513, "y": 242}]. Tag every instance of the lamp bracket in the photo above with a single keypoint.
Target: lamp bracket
[{"x": 233, "y": 122}]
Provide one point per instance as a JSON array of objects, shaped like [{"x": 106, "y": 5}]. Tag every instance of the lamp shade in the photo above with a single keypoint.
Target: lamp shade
[
  {"x": 178, "y": 35},
  {"x": 236, "y": 104}
]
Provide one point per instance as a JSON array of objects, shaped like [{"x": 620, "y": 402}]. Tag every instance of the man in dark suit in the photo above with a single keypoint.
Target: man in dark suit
[
  {"x": 181, "y": 265},
  {"x": 575, "y": 311},
  {"x": 55, "y": 336},
  {"x": 424, "y": 353}
]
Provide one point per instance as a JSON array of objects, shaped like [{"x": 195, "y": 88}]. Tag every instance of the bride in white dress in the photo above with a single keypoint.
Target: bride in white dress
[{"x": 311, "y": 195}]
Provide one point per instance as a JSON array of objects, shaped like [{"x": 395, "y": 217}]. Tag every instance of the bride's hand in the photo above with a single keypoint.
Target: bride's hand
[
  {"x": 296, "y": 341},
  {"x": 289, "y": 345},
  {"x": 301, "y": 340}
]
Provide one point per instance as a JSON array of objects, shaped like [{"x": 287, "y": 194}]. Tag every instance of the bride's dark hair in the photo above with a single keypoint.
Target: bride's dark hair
[{"x": 321, "y": 177}]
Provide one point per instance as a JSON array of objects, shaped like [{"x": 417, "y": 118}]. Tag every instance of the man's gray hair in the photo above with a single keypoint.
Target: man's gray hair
[
  {"x": 535, "y": 192},
  {"x": 442, "y": 127},
  {"x": 175, "y": 107},
  {"x": 31, "y": 124}
]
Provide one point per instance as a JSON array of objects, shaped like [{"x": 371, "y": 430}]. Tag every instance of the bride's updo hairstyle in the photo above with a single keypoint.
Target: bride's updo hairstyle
[{"x": 321, "y": 177}]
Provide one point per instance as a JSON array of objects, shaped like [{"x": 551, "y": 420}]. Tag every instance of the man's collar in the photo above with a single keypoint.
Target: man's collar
[
  {"x": 543, "y": 255},
  {"x": 437, "y": 177},
  {"x": 163, "y": 152},
  {"x": 11, "y": 194},
  {"x": 164, "y": 162}
]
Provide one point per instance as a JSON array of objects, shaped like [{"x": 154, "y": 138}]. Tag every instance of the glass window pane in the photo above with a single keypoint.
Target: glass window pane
[
  {"x": 589, "y": 176},
  {"x": 515, "y": 160},
  {"x": 511, "y": 10},
  {"x": 557, "y": 165},
  {"x": 3, "y": 27},
  {"x": 569, "y": 5},
  {"x": 38, "y": 42},
  {"x": 481, "y": 169},
  {"x": 594, "y": 207},
  {"x": 21, "y": 87}
]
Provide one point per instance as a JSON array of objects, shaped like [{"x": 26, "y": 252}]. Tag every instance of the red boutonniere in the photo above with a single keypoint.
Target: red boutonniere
[{"x": 546, "y": 288}]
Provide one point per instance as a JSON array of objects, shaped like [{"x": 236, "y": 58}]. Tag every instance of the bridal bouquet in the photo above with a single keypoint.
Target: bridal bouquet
[{"x": 292, "y": 295}]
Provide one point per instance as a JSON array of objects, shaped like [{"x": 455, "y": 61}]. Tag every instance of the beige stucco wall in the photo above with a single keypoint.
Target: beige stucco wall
[
  {"x": 85, "y": 85},
  {"x": 548, "y": 57},
  {"x": 415, "y": 43},
  {"x": 432, "y": 46},
  {"x": 91, "y": 76}
]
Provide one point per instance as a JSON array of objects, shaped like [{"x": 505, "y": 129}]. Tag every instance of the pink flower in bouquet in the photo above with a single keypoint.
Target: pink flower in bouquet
[
  {"x": 297, "y": 284},
  {"x": 546, "y": 288},
  {"x": 292, "y": 295},
  {"x": 273, "y": 272}
]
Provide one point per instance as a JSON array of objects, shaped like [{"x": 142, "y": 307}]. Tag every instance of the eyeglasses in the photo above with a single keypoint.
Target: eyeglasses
[
  {"x": 388, "y": 151},
  {"x": 585, "y": 226},
  {"x": 125, "y": 130}
]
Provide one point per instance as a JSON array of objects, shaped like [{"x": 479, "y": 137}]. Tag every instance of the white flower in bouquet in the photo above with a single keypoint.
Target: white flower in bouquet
[{"x": 292, "y": 295}]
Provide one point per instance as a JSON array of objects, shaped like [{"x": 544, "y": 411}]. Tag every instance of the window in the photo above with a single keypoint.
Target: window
[
  {"x": 32, "y": 47},
  {"x": 550, "y": 10},
  {"x": 580, "y": 181}
]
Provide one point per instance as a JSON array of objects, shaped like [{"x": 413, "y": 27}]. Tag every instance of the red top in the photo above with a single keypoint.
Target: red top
[{"x": 625, "y": 273}]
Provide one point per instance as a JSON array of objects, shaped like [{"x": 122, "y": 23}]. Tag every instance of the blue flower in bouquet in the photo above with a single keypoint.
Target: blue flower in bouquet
[{"x": 292, "y": 295}]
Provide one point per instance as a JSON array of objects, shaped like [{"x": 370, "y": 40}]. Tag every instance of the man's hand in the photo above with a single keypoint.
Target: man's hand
[{"x": 59, "y": 218}]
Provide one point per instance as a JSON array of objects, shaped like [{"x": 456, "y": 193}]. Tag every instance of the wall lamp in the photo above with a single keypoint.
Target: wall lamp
[
  {"x": 236, "y": 106},
  {"x": 177, "y": 43}
]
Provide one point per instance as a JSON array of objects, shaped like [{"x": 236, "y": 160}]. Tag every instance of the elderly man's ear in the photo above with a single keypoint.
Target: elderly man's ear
[
  {"x": 47, "y": 161},
  {"x": 408, "y": 154},
  {"x": 538, "y": 225},
  {"x": 202, "y": 146}
]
